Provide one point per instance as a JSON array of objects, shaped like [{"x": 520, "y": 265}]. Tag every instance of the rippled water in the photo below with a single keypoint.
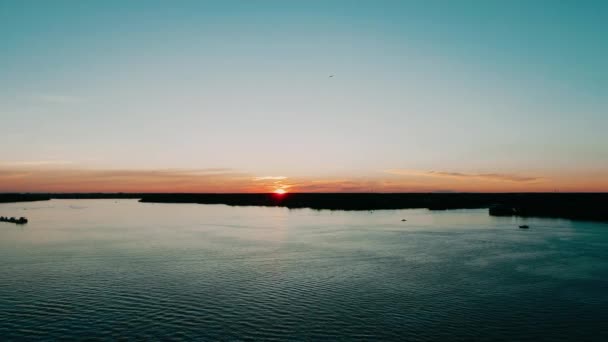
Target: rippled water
[{"x": 108, "y": 269}]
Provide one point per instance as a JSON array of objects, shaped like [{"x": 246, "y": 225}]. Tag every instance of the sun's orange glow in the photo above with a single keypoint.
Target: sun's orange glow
[{"x": 44, "y": 178}]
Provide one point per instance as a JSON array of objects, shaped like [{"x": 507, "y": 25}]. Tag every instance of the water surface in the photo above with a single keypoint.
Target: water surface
[{"x": 107, "y": 269}]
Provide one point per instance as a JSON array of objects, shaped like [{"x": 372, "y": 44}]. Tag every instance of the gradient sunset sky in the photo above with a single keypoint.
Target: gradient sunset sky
[{"x": 236, "y": 96}]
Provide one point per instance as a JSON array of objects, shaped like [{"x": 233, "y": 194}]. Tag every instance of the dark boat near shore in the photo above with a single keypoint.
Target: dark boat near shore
[
  {"x": 21, "y": 220},
  {"x": 524, "y": 226}
]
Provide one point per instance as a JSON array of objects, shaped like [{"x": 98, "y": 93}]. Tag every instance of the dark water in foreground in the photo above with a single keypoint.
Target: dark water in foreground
[{"x": 108, "y": 269}]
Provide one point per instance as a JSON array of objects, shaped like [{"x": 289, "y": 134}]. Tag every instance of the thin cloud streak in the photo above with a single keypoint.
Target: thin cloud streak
[
  {"x": 35, "y": 163},
  {"x": 35, "y": 178},
  {"x": 500, "y": 177},
  {"x": 269, "y": 178}
]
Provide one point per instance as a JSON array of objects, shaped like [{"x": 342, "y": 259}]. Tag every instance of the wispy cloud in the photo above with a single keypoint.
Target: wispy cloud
[
  {"x": 30, "y": 177},
  {"x": 500, "y": 177},
  {"x": 51, "y": 176},
  {"x": 269, "y": 178},
  {"x": 8, "y": 175},
  {"x": 26, "y": 163},
  {"x": 336, "y": 186},
  {"x": 194, "y": 172},
  {"x": 489, "y": 176},
  {"x": 65, "y": 176}
]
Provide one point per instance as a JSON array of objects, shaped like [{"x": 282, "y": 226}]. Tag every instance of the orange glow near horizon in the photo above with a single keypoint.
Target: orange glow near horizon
[{"x": 64, "y": 179}]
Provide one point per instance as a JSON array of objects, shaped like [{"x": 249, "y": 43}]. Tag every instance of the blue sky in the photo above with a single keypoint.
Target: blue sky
[{"x": 515, "y": 88}]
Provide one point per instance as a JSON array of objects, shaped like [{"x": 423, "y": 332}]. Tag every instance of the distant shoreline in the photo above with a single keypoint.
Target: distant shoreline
[
  {"x": 579, "y": 206},
  {"x": 13, "y": 198}
]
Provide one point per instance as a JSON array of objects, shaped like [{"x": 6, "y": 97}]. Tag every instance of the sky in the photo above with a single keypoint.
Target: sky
[{"x": 306, "y": 96}]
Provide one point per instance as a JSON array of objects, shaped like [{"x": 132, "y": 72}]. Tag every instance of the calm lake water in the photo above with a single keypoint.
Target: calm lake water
[{"x": 107, "y": 269}]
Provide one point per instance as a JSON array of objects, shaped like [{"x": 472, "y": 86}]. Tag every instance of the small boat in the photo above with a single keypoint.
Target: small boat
[
  {"x": 21, "y": 220},
  {"x": 524, "y": 226},
  {"x": 403, "y": 220}
]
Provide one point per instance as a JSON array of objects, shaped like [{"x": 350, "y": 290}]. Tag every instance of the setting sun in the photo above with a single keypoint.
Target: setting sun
[{"x": 280, "y": 191}]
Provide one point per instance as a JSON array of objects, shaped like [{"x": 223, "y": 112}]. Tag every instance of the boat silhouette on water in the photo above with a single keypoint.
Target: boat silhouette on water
[
  {"x": 524, "y": 226},
  {"x": 21, "y": 220}
]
